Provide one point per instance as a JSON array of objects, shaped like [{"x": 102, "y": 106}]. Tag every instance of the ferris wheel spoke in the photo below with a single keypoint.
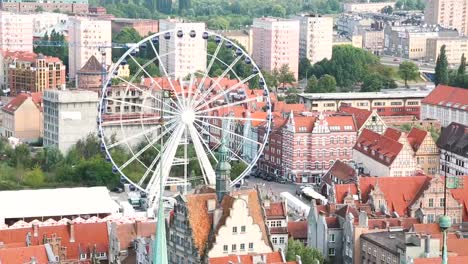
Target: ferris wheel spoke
[
  {"x": 153, "y": 163},
  {"x": 152, "y": 96},
  {"x": 146, "y": 147},
  {"x": 207, "y": 70},
  {"x": 136, "y": 135},
  {"x": 139, "y": 65},
  {"x": 231, "y": 118},
  {"x": 229, "y": 105},
  {"x": 230, "y": 132},
  {"x": 216, "y": 83},
  {"x": 142, "y": 120},
  {"x": 133, "y": 104},
  {"x": 230, "y": 89},
  {"x": 201, "y": 154},
  {"x": 161, "y": 66},
  {"x": 206, "y": 146}
]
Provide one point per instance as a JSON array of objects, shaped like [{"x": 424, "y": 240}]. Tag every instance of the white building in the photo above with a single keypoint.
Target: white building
[
  {"x": 187, "y": 54},
  {"x": 87, "y": 36},
  {"x": 367, "y": 7},
  {"x": 316, "y": 36},
  {"x": 46, "y": 21},
  {"x": 16, "y": 32},
  {"x": 446, "y": 104},
  {"x": 69, "y": 115}
]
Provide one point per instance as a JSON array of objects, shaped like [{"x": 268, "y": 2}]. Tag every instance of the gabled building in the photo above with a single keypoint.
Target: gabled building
[
  {"x": 447, "y": 104},
  {"x": 384, "y": 155},
  {"x": 276, "y": 215},
  {"x": 269, "y": 258},
  {"x": 453, "y": 145},
  {"x": 425, "y": 150},
  {"x": 22, "y": 117},
  {"x": 365, "y": 119}
]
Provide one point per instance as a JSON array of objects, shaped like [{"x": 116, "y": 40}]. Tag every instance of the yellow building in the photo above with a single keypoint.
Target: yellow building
[
  {"x": 425, "y": 150},
  {"x": 243, "y": 37},
  {"x": 22, "y": 117},
  {"x": 454, "y": 48}
]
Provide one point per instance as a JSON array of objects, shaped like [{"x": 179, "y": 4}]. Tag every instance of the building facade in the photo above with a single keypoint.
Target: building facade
[
  {"x": 425, "y": 150},
  {"x": 386, "y": 103},
  {"x": 367, "y": 7},
  {"x": 455, "y": 47},
  {"x": 243, "y": 37},
  {"x": 449, "y": 13},
  {"x": 69, "y": 115},
  {"x": 446, "y": 104},
  {"x": 30, "y": 72},
  {"x": 453, "y": 150},
  {"x": 276, "y": 43},
  {"x": 276, "y": 216},
  {"x": 189, "y": 54},
  {"x": 26, "y": 6},
  {"x": 16, "y": 31},
  {"x": 91, "y": 38},
  {"x": 316, "y": 35},
  {"x": 144, "y": 27},
  {"x": 22, "y": 118}
]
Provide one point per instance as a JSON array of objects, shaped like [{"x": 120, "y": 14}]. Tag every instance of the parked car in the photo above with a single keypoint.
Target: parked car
[{"x": 281, "y": 180}]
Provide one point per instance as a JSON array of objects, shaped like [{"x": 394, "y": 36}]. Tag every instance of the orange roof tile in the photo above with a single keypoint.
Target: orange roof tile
[
  {"x": 461, "y": 194},
  {"x": 21, "y": 255},
  {"x": 378, "y": 147},
  {"x": 275, "y": 211},
  {"x": 283, "y": 107},
  {"x": 458, "y": 245},
  {"x": 340, "y": 171},
  {"x": 392, "y": 133},
  {"x": 360, "y": 115},
  {"x": 399, "y": 192},
  {"x": 415, "y": 137},
  {"x": 271, "y": 258},
  {"x": 429, "y": 229},
  {"x": 128, "y": 232},
  {"x": 16, "y": 102},
  {"x": 451, "y": 260},
  {"x": 448, "y": 96},
  {"x": 298, "y": 229}
]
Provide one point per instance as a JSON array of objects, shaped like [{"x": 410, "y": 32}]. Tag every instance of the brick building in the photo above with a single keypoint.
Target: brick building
[
  {"x": 30, "y": 72},
  {"x": 143, "y": 26}
]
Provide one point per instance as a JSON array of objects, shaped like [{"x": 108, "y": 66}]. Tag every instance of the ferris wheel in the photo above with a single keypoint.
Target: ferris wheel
[{"x": 165, "y": 130}]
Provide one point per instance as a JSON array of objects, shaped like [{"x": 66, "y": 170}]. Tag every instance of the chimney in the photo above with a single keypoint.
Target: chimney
[
  {"x": 427, "y": 245},
  {"x": 71, "y": 230},
  {"x": 35, "y": 230},
  {"x": 137, "y": 229}
]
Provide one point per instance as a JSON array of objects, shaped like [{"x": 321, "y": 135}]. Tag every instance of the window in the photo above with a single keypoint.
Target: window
[
  {"x": 251, "y": 246},
  {"x": 331, "y": 252},
  {"x": 441, "y": 202},
  {"x": 82, "y": 256},
  {"x": 281, "y": 240},
  {"x": 242, "y": 247},
  {"x": 225, "y": 248},
  {"x": 430, "y": 218},
  {"x": 331, "y": 238},
  {"x": 274, "y": 240},
  {"x": 233, "y": 247},
  {"x": 431, "y": 202},
  {"x": 234, "y": 230},
  {"x": 242, "y": 229}
]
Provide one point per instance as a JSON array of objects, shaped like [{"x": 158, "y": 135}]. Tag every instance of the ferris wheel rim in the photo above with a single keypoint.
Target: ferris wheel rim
[{"x": 267, "y": 122}]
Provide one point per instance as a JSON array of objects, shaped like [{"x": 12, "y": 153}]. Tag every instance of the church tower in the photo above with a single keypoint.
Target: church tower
[{"x": 223, "y": 172}]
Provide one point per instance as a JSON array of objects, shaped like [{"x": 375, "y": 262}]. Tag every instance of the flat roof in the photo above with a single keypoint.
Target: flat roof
[
  {"x": 56, "y": 202},
  {"x": 366, "y": 95}
]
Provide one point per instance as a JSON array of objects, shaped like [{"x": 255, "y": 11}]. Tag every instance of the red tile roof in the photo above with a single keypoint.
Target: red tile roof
[
  {"x": 340, "y": 171},
  {"x": 392, "y": 133},
  {"x": 16, "y": 102},
  {"x": 429, "y": 229},
  {"x": 21, "y": 255},
  {"x": 458, "y": 245},
  {"x": 415, "y": 137},
  {"x": 87, "y": 235},
  {"x": 298, "y": 229},
  {"x": 360, "y": 115},
  {"x": 332, "y": 222},
  {"x": 29, "y": 56},
  {"x": 451, "y": 260},
  {"x": 384, "y": 223},
  {"x": 271, "y": 258},
  {"x": 448, "y": 96},
  {"x": 128, "y": 232},
  {"x": 378, "y": 147},
  {"x": 399, "y": 192},
  {"x": 461, "y": 194},
  {"x": 283, "y": 107},
  {"x": 275, "y": 211}
]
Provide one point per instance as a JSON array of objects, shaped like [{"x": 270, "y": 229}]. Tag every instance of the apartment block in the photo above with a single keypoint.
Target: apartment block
[
  {"x": 69, "y": 115},
  {"x": 455, "y": 47},
  {"x": 31, "y": 72},
  {"x": 183, "y": 55},
  {"x": 16, "y": 31},
  {"x": 30, "y": 6},
  {"x": 367, "y": 7},
  {"x": 276, "y": 43},
  {"x": 89, "y": 36},
  {"x": 143, "y": 26},
  {"x": 316, "y": 35},
  {"x": 448, "y": 13},
  {"x": 243, "y": 37}
]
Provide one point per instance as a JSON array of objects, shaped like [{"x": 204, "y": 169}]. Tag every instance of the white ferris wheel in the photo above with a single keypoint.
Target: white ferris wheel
[{"x": 199, "y": 112}]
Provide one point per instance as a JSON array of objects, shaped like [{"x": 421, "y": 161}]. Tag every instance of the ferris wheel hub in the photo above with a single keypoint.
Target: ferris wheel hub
[{"x": 187, "y": 116}]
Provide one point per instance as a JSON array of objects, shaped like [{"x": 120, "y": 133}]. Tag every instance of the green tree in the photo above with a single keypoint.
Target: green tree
[
  {"x": 60, "y": 51},
  {"x": 34, "y": 178},
  {"x": 408, "y": 70},
  {"x": 387, "y": 10},
  {"x": 285, "y": 76},
  {"x": 326, "y": 84},
  {"x": 218, "y": 22},
  {"x": 237, "y": 168},
  {"x": 292, "y": 96},
  {"x": 462, "y": 67},
  {"x": 95, "y": 172},
  {"x": 304, "y": 67},
  {"x": 184, "y": 5},
  {"x": 372, "y": 83},
  {"x": 278, "y": 11},
  {"x": 311, "y": 84},
  {"x": 441, "y": 69},
  {"x": 308, "y": 255}
]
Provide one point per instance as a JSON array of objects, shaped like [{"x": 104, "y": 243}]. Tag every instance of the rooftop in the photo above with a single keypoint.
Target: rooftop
[
  {"x": 388, "y": 240},
  {"x": 454, "y": 138},
  {"x": 366, "y": 95},
  {"x": 56, "y": 202},
  {"x": 378, "y": 147},
  {"x": 448, "y": 96}
]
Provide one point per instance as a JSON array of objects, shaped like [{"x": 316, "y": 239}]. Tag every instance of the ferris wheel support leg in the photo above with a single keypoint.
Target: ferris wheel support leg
[{"x": 201, "y": 154}]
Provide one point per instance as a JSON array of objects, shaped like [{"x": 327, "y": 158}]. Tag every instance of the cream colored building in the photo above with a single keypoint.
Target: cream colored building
[
  {"x": 16, "y": 31},
  {"x": 87, "y": 35},
  {"x": 448, "y": 13},
  {"x": 354, "y": 40},
  {"x": 455, "y": 47},
  {"x": 315, "y": 37},
  {"x": 22, "y": 118},
  {"x": 187, "y": 54},
  {"x": 372, "y": 40},
  {"x": 243, "y": 37},
  {"x": 366, "y": 7}
]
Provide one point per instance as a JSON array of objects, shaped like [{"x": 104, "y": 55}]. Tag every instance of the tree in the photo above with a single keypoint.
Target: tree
[
  {"x": 441, "y": 69},
  {"x": 292, "y": 96},
  {"x": 462, "y": 67},
  {"x": 218, "y": 22},
  {"x": 278, "y": 11},
  {"x": 184, "y": 5},
  {"x": 307, "y": 254},
  {"x": 311, "y": 84},
  {"x": 304, "y": 67},
  {"x": 372, "y": 83},
  {"x": 285, "y": 76},
  {"x": 39, "y": 9},
  {"x": 34, "y": 178},
  {"x": 326, "y": 84},
  {"x": 387, "y": 10},
  {"x": 237, "y": 168},
  {"x": 408, "y": 70}
]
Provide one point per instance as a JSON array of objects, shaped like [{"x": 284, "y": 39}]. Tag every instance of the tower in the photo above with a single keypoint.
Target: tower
[{"x": 223, "y": 172}]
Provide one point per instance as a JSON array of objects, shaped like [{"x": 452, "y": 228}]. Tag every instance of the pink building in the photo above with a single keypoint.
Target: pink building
[
  {"x": 16, "y": 31},
  {"x": 276, "y": 42}
]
